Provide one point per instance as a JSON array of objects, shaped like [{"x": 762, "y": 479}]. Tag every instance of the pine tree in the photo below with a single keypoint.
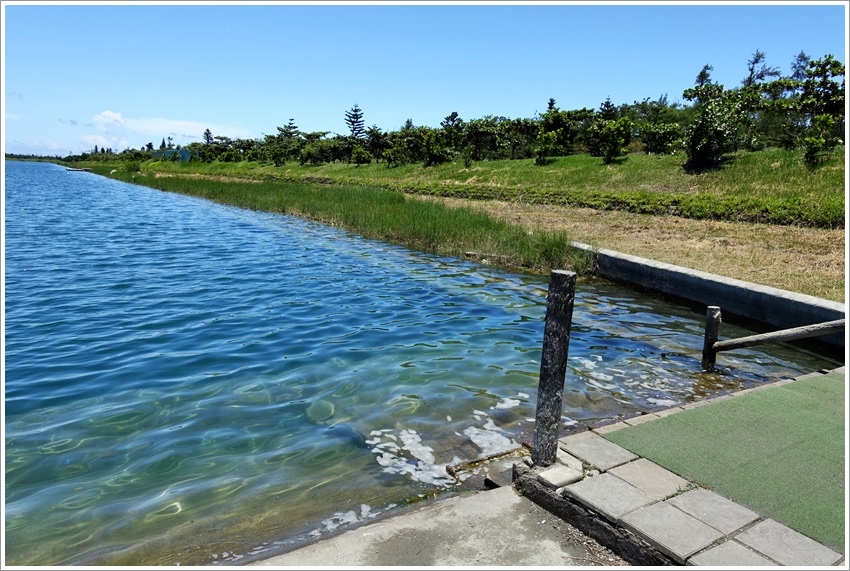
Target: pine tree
[
  {"x": 607, "y": 111},
  {"x": 354, "y": 120}
]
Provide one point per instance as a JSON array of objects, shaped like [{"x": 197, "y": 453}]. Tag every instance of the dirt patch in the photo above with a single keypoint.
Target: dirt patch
[{"x": 803, "y": 260}]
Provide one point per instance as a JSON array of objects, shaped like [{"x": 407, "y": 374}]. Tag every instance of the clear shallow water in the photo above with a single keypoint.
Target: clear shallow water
[{"x": 191, "y": 383}]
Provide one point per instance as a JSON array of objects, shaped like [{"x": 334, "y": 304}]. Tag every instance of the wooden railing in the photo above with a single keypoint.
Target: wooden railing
[{"x": 712, "y": 346}]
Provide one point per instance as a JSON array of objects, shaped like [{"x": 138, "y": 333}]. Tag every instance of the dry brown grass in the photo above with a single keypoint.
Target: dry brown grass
[{"x": 803, "y": 260}]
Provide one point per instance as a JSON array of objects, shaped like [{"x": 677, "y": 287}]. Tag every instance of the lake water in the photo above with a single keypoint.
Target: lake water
[{"x": 188, "y": 383}]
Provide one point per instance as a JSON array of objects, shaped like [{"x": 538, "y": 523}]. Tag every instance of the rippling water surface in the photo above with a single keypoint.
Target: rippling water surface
[{"x": 187, "y": 383}]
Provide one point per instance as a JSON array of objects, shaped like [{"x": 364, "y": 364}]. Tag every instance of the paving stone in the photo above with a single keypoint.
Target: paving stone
[
  {"x": 567, "y": 459},
  {"x": 606, "y": 428},
  {"x": 668, "y": 411},
  {"x": 721, "y": 398},
  {"x": 787, "y": 546},
  {"x": 730, "y": 554},
  {"x": 808, "y": 376},
  {"x": 595, "y": 450},
  {"x": 498, "y": 478},
  {"x": 671, "y": 530},
  {"x": 609, "y": 495},
  {"x": 657, "y": 482},
  {"x": 715, "y": 510},
  {"x": 559, "y": 476},
  {"x": 697, "y": 404},
  {"x": 640, "y": 419}
]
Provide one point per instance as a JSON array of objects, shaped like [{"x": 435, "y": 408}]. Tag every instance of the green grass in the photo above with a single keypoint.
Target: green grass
[
  {"x": 385, "y": 215},
  {"x": 772, "y": 186}
]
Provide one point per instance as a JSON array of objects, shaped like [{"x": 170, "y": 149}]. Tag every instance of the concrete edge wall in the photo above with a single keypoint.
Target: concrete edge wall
[{"x": 769, "y": 306}]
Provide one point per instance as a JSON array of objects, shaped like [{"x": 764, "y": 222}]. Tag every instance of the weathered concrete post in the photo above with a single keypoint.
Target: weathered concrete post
[
  {"x": 712, "y": 330},
  {"x": 553, "y": 366}
]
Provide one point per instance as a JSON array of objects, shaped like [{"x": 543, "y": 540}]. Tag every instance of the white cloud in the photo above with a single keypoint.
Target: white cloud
[
  {"x": 111, "y": 129},
  {"x": 107, "y": 120},
  {"x": 117, "y": 144},
  {"x": 157, "y": 127},
  {"x": 34, "y": 147}
]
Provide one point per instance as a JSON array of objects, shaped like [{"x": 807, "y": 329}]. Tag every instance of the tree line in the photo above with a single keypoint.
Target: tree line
[{"x": 803, "y": 110}]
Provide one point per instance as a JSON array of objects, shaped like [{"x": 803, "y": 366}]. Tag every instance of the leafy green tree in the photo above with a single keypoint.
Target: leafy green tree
[
  {"x": 768, "y": 115},
  {"x": 396, "y": 155},
  {"x": 208, "y": 137},
  {"x": 822, "y": 100},
  {"x": 311, "y": 154},
  {"x": 545, "y": 146},
  {"x": 569, "y": 127},
  {"x": 376, "y": 142},
  {"x": 361, "y": 156},
  {"x": 520, "y": 136},
  {"x": 822, "y": 93},
  {"x": 274, "y": 151},
  {"x": 660, "y": 138},
  {"x": 435, "y": 152},
  {"x": 481, "y": 137},
  {"x": 722, "y": 124},
  {"x": 284, "y": 146},
  {"x": 453, "y": 127},
  {"x": 704, "y": 87},
  {"x": 615, "y": 137},
  {"x": 315, "y": 136},
  {"x": 598, "y": 135}
]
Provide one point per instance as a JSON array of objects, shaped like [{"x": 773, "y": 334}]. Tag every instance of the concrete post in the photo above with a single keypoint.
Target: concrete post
[
  {"x": 553, "y": 366},
  {"x": 712, "y": 330}
]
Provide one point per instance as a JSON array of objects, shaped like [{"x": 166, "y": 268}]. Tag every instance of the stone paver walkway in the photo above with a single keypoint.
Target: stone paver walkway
[{"x": 689, "y": 524}]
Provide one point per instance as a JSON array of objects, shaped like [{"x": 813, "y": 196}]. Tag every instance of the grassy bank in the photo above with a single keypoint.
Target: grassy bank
[
  {"x": 529, "y": 225},
  {"x": 772, "y": 186},
  {"x": 381, "y": 214}
]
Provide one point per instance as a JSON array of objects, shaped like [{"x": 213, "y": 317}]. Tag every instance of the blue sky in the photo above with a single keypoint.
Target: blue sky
[{"x": 123, "y": 75}]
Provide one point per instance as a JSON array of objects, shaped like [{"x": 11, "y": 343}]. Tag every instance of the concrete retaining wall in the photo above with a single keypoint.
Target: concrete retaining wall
[{"x": 766, "y": 305}]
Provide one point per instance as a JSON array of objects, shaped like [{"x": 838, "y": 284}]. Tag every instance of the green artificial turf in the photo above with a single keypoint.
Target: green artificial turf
[{"x": 778, "y": 451}]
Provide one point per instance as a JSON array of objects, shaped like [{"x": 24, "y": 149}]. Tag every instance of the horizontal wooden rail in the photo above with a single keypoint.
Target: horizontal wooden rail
[
  {"x": 712, "y": 346},
  {"x": 803, "y": 332}
]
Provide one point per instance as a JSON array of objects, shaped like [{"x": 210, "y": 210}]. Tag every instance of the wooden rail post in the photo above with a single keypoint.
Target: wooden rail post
[
  {"x": 712, "y": 330},
  {"x": 553, "y": 366}
]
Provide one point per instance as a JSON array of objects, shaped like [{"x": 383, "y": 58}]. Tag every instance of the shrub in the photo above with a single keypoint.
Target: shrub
[
  {"x": 614, "y": 137},
  {"x": 396, "y": 155},
  {"x": 311, "y": 153},
  {"x": 468, "y": 153},
  {"x": 544, "y": 147},
  {"x": 660, "y": 138},
  {"x": 719, "y": 127},
  {"x": 435, "y": 152},
  {"x": 819, "y": 140},
  {"x": 361, "y": 156}
]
